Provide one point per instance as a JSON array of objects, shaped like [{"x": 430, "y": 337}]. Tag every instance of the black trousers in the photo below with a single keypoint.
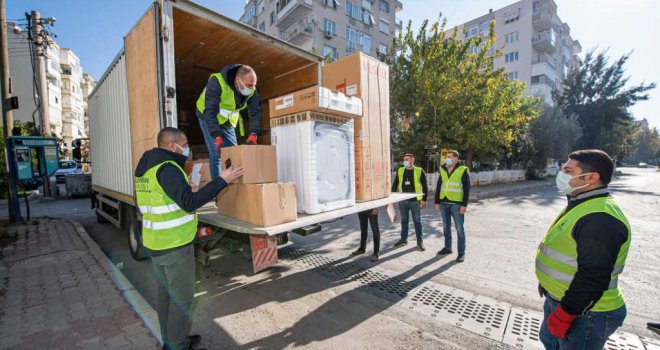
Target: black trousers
[{"x": 366, "y": 217}]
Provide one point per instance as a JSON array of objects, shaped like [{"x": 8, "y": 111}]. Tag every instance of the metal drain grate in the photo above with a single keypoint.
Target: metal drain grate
[
  {"x": 290, "y": 253},
  {"x": 522, "y": 330},
  {"x": 477, "y": 314},
  {"x": 624, "y": 341},
  {"x": 380, "y": 283},
  {"x": 650, "y": 344}
]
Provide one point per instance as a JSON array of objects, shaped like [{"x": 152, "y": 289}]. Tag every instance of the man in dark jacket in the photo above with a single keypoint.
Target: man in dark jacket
[
  {"x": 227, "y": 96},
  {"x": 451, "y": 198},
  {"x": 169, "y": 226}
]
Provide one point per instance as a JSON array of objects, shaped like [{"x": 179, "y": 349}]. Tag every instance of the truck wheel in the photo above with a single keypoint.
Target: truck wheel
[{"x": 134, "y": 230}]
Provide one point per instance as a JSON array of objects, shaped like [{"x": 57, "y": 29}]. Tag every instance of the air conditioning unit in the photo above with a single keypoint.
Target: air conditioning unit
[{"x": 329, "y": 34}]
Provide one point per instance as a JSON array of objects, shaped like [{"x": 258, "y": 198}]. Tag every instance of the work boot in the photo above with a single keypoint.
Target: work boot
[
  {"x": 420, "y": 246},
  {"x": 460, "y": 258},
  {"x": 400, "y": 243},
  {"x": 445, "y": 251},
  {"x": 360, "y": 251},
  {"x": 374, "y": 258}
]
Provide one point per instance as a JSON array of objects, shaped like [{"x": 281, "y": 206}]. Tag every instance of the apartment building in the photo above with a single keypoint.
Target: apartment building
[
  {"x": 73, "y": 110},
  {"x": 88, "y": 85},
  {"x": 537, "y": 46},
  {"x": 330, "y": 28}
]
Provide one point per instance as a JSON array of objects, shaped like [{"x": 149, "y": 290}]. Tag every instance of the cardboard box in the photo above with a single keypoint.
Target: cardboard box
[
  {"x": 199, "y": 173},
  {"x": 258, "y": 161},
  {"x": 263, "y": 205},
  {"x": 318, "y": 99},
  {"x": 365, "y": 77}
]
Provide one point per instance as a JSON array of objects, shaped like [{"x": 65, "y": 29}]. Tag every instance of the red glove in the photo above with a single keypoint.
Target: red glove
[
  {"x": 559, "y": 322},
  {"x": 252, "y": 139},
  {"x": 218, "y": 142}
]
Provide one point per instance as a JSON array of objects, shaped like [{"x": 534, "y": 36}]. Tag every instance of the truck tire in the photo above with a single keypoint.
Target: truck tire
[{"x": 134, "y": 233}]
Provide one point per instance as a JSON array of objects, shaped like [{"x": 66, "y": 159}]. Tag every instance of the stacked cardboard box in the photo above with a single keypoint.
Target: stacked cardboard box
[
  {"x": 256, "y": 198},
  {"x": 367, "y": 78}
]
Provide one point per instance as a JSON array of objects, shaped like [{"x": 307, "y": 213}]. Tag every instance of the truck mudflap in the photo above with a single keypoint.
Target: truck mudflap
[{"x": 264, "y": 252}]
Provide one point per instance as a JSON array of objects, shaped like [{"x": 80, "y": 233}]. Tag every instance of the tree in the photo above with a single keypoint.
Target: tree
[
  {"x": 445, "y": 90},
  {"x": 596, "y": 93},
  {"x": 552, "y": 136},
  {"x": 646, "y": 144}
]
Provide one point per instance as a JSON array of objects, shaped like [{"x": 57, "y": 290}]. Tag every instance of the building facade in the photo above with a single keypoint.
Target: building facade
[
  {"x": 88, "y": 85},
  {"x": 330, "y": 28},
  {"x": 67, "y": 88},
  {"x": 537, "y": 46}
]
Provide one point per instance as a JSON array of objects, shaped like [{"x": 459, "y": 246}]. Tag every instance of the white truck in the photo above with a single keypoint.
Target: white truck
[{"x": 154, "y": 81}]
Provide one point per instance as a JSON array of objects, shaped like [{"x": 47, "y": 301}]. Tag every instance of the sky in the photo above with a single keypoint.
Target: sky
[{"x": 94, "y": 29}]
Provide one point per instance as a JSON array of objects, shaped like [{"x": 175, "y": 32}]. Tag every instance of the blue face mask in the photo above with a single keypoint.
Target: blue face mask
[
  {"x": 185, "y": 151},
  {"x": 449, "y": 161},
  {"x": 406, "y": 163}
]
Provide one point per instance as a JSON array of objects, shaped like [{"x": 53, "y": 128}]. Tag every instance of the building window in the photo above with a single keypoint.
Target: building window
[
  {"x": 352, "y": 36},
  {"x": 512, "y": 37},
  {"x": 330, "y": 52},
  {"x": 384, "y": 27},
  {"x": 511, "y": 57},
  {"x": 57, "y": 100},
  {"x": 330, "y": 3},
  {"x": 353, "y": 10},
  {"x": 513, "y": 75},
  {"x": 330, "y": 27},
  {"x": 511, "y": 18},
  {"x": 366, "y": 43},
  {"x": 367, "y": 17},
  {"x": 483, "y": 27},
  {"x": 382, "y": 48},
  {"x": 272, "y": 17},
  {"x": 384, "y": 6},
  {"x": 249, "y": 14},
  {"x": 262, "y": 27},
  {"x": 471, "y": 31}
]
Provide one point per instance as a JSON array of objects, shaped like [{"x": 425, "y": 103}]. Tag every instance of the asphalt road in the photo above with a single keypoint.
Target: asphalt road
[{"x": 289, "y": 306}]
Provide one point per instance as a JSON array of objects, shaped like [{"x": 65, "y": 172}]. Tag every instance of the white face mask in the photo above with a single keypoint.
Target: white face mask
[
  {"x": 448, "y": 161},
  {"x": 185, "y": 151},
  {"x": 245, "y": 91},
  {"x": 563, "y": 182}
]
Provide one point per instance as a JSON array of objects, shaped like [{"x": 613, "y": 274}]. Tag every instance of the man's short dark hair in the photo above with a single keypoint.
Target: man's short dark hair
[
  {"x": 169, "y": 134},
  {"x": 595, "y": 160},
  {"x": 408, "y": 155},
  {"x": 244, "y": 70},
  {"x": 454, "y": 153}
]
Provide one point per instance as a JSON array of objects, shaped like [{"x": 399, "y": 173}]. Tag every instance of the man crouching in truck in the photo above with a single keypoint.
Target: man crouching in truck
[
  {"x": 169, "y": 225},
  {"x": 219, "y": 109}
]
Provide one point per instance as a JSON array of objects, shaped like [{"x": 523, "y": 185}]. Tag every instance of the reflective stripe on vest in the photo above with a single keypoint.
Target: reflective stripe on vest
[
  {"x": 164, "y": 224},
  {"x": 227, "y": 110},
  {"x": 452, "y": 186},
  {"x": 556, "y": 257},
  {"x": 417, "y": 179}
]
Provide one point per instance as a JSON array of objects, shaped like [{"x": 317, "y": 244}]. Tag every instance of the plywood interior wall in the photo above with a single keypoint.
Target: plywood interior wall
[
  {"x": 142, "y": 80},
  {"x": 203, "y": 47}
]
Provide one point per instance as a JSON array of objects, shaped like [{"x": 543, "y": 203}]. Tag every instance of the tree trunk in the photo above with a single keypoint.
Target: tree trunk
[{"x": 468, "y": 158}]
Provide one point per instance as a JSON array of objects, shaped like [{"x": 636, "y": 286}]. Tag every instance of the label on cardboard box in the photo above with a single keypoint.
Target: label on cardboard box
[
  {"x": 351, "y": 90},
  {"x": 284, "y": 102}
]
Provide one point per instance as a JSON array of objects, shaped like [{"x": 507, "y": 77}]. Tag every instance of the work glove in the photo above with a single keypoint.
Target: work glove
[
  {"x": 559, "y": 322},
  {"x": 252, "y": 139},
  {"x": 218, "y": 142}
]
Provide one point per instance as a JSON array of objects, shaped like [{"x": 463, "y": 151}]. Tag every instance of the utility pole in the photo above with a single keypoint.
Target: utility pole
[
  {"x": 7, "y": 118},
  {"x": 39, "y": 49}
]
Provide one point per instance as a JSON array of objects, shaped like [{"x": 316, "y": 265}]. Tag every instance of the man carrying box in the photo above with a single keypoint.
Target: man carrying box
[
  {"x": 411, "y": 179},
  {"x": 169, "y": 226},
  {"x": 219, "y": 109}
]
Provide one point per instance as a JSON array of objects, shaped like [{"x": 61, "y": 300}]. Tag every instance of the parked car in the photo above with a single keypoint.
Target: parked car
[
  {"x": 67, "y": 167},
  {"x": 642, "y": 165}
]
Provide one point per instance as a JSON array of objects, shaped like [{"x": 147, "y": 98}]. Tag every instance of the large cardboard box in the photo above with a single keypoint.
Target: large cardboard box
[
  {"x": 263, "y": 205},
  {"x": 258, "y": 161},
  {"x": 318, "y": 99},
  {"x": 363, "y": 76},
  {"x": 199, "y": 173}
]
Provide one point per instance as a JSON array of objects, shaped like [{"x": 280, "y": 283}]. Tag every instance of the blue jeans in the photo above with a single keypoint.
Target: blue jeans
[
  {"x": 228, "y": 139},
  {"x": 449, "y": 210},
  {"x": 415, "y": 208},
  {"x": 588, "y": 332},
  {"x": 175, "y": 278}
]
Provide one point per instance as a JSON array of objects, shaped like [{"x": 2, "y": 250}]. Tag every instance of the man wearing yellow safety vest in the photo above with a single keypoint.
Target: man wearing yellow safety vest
[
  {"x": 579, "y": 262},
  {"x": 169, "y": 226},
  {"x": 226, "y": 96},
  {"x": 411, "y": 179},
  {"x": 451, "y": 198}
]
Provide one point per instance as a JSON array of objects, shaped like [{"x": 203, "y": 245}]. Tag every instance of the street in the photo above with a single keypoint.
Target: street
[{"x": 318, "y": 297}]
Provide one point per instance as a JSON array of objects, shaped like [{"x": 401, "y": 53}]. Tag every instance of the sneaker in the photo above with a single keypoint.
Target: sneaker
[
  {"x": 444, "y": 251},
  {"x": 358, "y": 252},
  {"x": 460, "y": 258},
  {"x": 374, "y": 258},
  {"x": 420, "y": 246},
  {"x": 400, "y": 243}
]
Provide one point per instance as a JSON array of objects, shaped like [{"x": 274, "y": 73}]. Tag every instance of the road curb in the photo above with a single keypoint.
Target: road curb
[{"x": 143, "y": 309}]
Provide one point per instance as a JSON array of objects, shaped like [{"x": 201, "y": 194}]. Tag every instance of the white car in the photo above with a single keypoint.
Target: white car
[{"x": 67, "y": 167}]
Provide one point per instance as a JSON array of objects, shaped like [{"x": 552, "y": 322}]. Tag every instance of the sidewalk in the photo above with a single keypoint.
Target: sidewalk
[
  {"x": 514, "y": 188},
  {"x": 58, "y": 292}
]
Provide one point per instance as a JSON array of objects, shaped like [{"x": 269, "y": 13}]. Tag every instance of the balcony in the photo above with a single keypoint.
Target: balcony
[
  {"x": 545, "y": 41},
  {"x": 544, "y": 58},
  {"x": 542, "y": 20},
  {"x": 291, "y": 11},
  {"x": 542, "y": 80},
  {"x": 300, "y": 33},
  {"x": 398, "y": 24},
  {"x": 398, "y": 6}
]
